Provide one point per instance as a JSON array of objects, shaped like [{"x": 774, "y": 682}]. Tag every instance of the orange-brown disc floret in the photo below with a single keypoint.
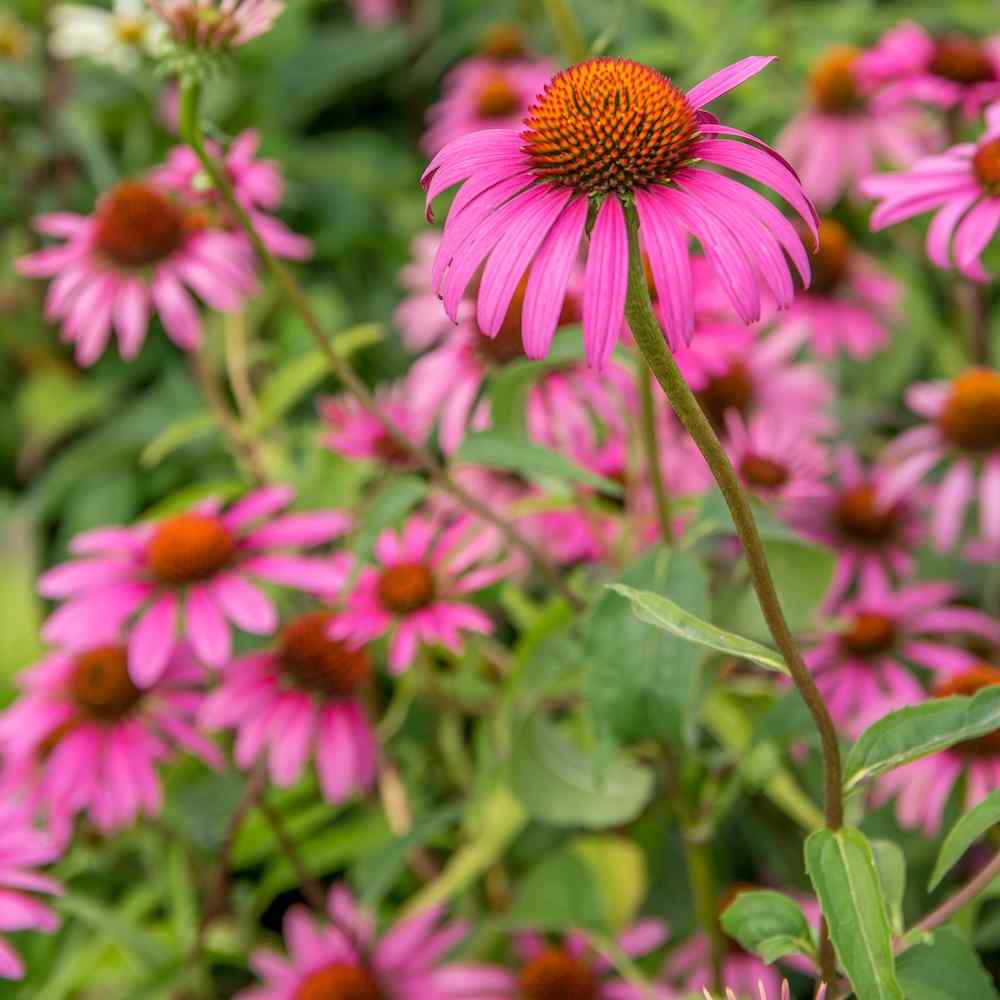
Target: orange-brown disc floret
[
  {"x": 968, "y": 683},
  {"x": 188, "y": 548},
  {"x": 339, "y": 981},
  {"x": 137, "y": 226},
  {"x": 986, "y": 166},
  {"x": 832, "y": 83},
  {"x": 100, "y": 685},
  {"x": 609, "y": 125},
  {"x": 315, "y": 661},
  {"x": 831, "y": 262},
  {"x": 868, "y": 634},
  {"x": 497, "y": 97},
  {"x": 763, "y": 473},
  {"x": 970, "y": 417},
  {"x": 556, "y": 975},
  {"x": 406, "y": 587},
  {"x": 859, "y": 516},
  {"x": 729, "y": 390},
  {"x": 961, "y": 60}
]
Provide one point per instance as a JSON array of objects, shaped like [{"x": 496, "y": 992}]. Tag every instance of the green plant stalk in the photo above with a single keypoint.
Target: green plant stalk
[
  {"x": 701, "y": 875},
  {"x": 651, "y": 448},
  {"x": 568, "y": 31},
  {"x": 650, "y": 340},
  {"x": 192, "y": 134}
]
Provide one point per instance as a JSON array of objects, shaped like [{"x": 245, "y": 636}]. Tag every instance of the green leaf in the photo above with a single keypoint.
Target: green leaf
[
  {"x": 142, "y": 949},
  {"x": 175, "y": 436},
  {"x": 918, "y": 730},
  {"x": 964, "y": 834},
  {"x": 769, "y": 924},
  {"x": 22, "y": 608},
  {"x": 558, "y": 783},
  {"x": 891, "y": 864},
  {"x": 944, "y": 968},
  {"x": 513, "y": 453},
  {"x": 618, "y": 867},
  {"x": 655, "y": 693},
  {"x": 842, "y": 869},
  {"x": 665, "y": 614},
  {"x": 558, "y": 894},
  {"x": 388, "y": 509}
]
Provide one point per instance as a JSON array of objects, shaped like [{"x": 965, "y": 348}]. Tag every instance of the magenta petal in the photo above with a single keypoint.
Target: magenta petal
[
  {"x": 244, "y": 604},
  {"x": 726, "y": 79},
  {"x": 206, "y": 628},
  {"x": 300, "y": 530},
  {"x": 605, "y": 283},
  {"x": 152, "y": 641},
  {"x": 667, "y": 250}
]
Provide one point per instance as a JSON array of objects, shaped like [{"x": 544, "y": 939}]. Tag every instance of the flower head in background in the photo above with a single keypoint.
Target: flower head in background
[
  {"x": 83, "y": 738},
  {"x": 909, "y": 66},
  {"x": 189, "y": 575},
  {"x": 135, "y": 256},
  {"x": 217, "y": 25},
  {"x": 420, "y": 318},
  {"x": 961, "y": 186},
  {"x": 861, "y": 665},
  {"x": 841, "y": 135},
  {"x": 376, "y": 13},
  {"x": 962, "y": 433},
  {"x": 346, "y": 959},
  {"x": 603, "y": 134},
  {"x": 17, "y": 41},
  {"x": 298, "y": 700},
  {"x": 118, "y": 37},
  {"x": 417, "y": 592},
  {"x": 762, "y": 992}
]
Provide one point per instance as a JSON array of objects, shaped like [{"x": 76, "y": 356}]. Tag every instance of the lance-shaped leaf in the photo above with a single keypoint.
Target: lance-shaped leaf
[
  {"x": 965, "y": 833},
  {"x": 769, "y": 924}
]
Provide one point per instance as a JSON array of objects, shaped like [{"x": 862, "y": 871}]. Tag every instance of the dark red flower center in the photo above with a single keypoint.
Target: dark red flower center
[
  {"x": 137, "y": 226},
  {"x": 100, "y": 684},
  {"x": 406, "y": 587},
  {"x": 729, "y": 390},
  {"x": 868, "y": 634},
  {"x": 188, "y": 548},
  {"x": 968, "y": 683},
  {"x": 339, "y": 981},
  {"x": 832, "y": 82},
  {"x": 556, "y": 975},
  {"x": 962, "y": 60},
  {"x": 497, "y": 97},
  {"x": 389, "y": 450},
  {"x": 986, "y": 166},
  {"x": 970, "y": 417},
  {"x": 503, "y": 41},
  {"x": 860, "y": 518},
  {"x": 313, "y": 660},
  {"x": 763, "y": 473},
  {"x": 609, "y": 125},
  {"x": 831, "y": 262}
]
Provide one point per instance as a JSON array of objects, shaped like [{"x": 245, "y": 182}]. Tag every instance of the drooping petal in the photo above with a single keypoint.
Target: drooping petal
[{"x": 605, "y": 283}]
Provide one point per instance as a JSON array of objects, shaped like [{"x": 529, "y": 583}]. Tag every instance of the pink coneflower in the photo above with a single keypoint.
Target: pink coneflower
[
  {"x": 922, "y": 789},
  {"x": 417, "y": 590},
  {"x": 774, "y": 459},
  {"x": 851, "y": 302},
  {"x": 345, "y": 960},
  {"x": 217, "y": 24},
  {"x": 570, "y": 969},
  {"x": 908, "y": 65},
  {"x": 85, "y": 738},
  {"x": 131, "y": 258},
  {"x": 484, "y": 93},
  {"x": 962, "y": 188},
  {"x": 297, "y": 700},
  {"x": 964, "y": 434},
  {"x": 860, "y": 665},
  {"x": 23, "y": 848},
  {"x": 842, "y": 134},
  {"x": 732, "y": 369},
  {"x": 257, "y": 185},
  {"x": 869, "y": 538},
  {"x": 603, "y": 132},
  {"x": 353, "y": 431},
  {"x": 201, "y": 561},
  {"x": 420, "y": 318}
]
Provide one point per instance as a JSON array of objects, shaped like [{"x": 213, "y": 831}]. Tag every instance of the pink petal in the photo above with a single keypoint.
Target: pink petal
[
  {"x": 726, "y": 79},
  {"x": 605, "y": 283}
]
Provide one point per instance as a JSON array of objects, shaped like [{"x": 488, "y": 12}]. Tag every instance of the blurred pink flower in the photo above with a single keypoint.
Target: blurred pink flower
[
  {"x": 131, "y": 258},
  {"x": 527, "y": 195},
  {"x": 420, "y": 318},
  {"x": 763, "y": 993},
  {"x": 416, "y": 592},
  {"x": 962, "y": 434},
  {"x": 203, "y": 561},
  {"x": 83, "y": 737},
  {"x": 300, "y": 700},
  {"x": 841, "y": 134},
  {"x": 484, "y": 93},
  {"x": 346, "y": 959},
  {"x": 908, "y": 65},
  {"x": 217, "y": 24},
  {"x": 961, "y": 186},
  {"x": 376, "y": 13}
]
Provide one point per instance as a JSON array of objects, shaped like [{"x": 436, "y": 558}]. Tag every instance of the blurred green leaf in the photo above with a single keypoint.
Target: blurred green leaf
[
  {"x": 175, "y": 436},
  {"x": 618, "y": 868},
  {"x": 891, "y": 865},
  {"x": 559, "y": 894},
  {"x": 22, "y": 608},
  {"x": 769, "y": 924},
  {"x": 977, "y": 821},
  {"x": 944, "y": 968}
]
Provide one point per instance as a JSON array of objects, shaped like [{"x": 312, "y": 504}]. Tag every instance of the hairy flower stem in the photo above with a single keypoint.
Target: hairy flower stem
[
  {"x": 649, "y": 337},
  {"x": 292, "y": 290},
  {"x": 564, "y": 22},
  {"x": 651, "y": 448}
]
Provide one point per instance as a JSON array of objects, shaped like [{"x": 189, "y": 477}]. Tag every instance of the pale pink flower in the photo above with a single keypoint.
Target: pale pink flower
[
  {"x": 217, "y": 24},
  {"x": 862, "y": 663},
  {"x": 908, "y": 65},
  {"x": 420, "y": 318},
  {"x": 376, "y": 13},
  {"x": 133, "y": 257},
  {"x": 851, "y": 303},
  {"x": 603, "y": 131},
  {"x": 484, "y": 93},
  {"x": 190, "y": 575},
  {"x": 961, "y": 186},
  {"x": 346, "y": 958},
  {"x": 962, "y": 434},
  {"x": 257, "y": 185},
  {"x": 300, "y": 700},
  {"x": 23, "y": 848},
  {"x": 922, "y": 789},
  {"x": 417, "y": 592},
  {"x": 841, "y": 134},
  {"x": 83, "y": 738},
  {"x": 869, "y": 538}
]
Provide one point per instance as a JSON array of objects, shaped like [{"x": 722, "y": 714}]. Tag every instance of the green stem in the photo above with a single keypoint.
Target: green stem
[
  {"x": 651, "y": 448},
  {"x": 651, "y": 342},
  {"x": 439, "y": 475},
  {"x": 701, "y": 876},
  {"x": 564, "y": 22},
  {"x": 311, "y": 887}
]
